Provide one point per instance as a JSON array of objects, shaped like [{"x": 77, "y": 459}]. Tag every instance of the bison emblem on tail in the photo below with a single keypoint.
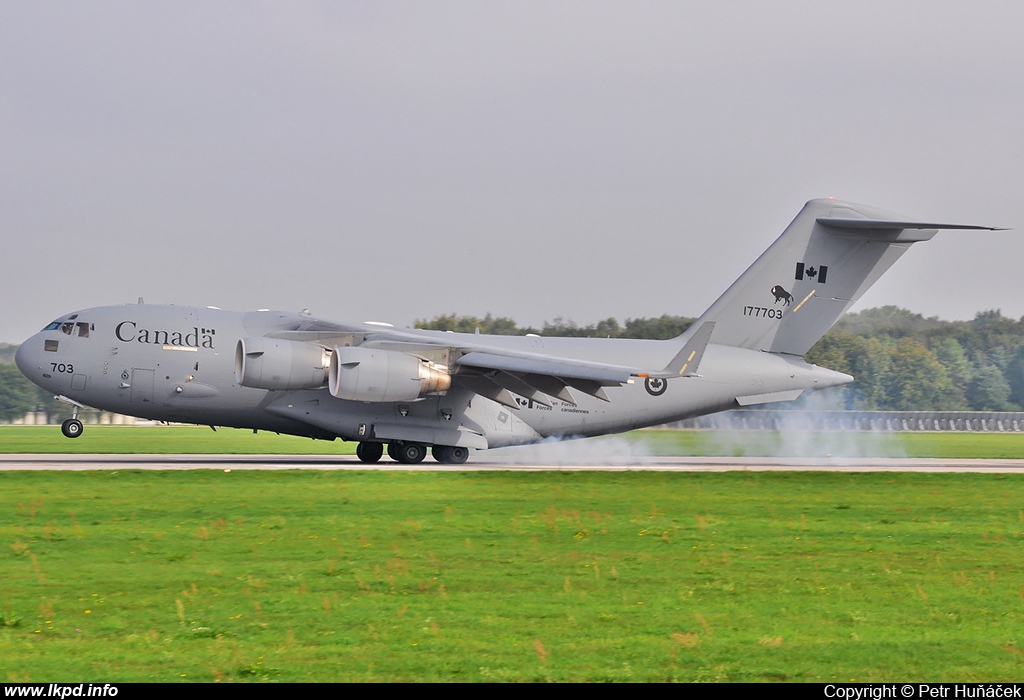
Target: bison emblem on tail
[{"x": 781, "y": 294}]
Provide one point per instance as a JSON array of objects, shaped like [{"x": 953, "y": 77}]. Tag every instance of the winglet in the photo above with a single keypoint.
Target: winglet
[{"x": 685, "y": 363}]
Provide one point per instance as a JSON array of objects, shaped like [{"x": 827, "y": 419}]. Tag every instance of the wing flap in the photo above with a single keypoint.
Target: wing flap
[
  {"x": 587, "y": 386},
  {"x": 550, "y": 366},
  {"x": 518, "y": 386},
  {"x": 551, "y": 386},
  {"x": 489, "y": 390}
]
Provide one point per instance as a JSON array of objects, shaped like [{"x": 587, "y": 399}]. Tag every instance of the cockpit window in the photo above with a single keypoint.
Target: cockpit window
[{"x": 81, "y": 329}]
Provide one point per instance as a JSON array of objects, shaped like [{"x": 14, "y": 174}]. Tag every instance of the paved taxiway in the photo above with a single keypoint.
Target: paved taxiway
[{"x": 81, "y": 462}]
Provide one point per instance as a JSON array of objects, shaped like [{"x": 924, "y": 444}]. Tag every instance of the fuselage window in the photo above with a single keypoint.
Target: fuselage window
[
  {"x": 83, "y": 329},
  {"x": 50, "y": 345}
]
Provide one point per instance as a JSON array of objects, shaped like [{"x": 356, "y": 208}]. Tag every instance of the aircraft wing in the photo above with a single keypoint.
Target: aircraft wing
[
  {"x": 538, "y": 377},
  {"x": 498, "y": 373},
  {"x": 556, "y": 367},
  {"x": 495, "y": 373}
]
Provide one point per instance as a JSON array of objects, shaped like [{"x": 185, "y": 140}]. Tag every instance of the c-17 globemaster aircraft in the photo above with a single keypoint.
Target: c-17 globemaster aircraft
[{"x": 411, "y": 390}]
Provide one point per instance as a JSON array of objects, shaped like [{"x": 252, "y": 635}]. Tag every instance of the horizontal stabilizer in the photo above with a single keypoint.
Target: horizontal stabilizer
[{"x": 886, "y": 225}]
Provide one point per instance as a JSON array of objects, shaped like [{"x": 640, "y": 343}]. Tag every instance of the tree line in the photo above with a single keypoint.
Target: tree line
[
  {"x": 661, "y": 328},
  {"x": 18, "y": 395},
  {"x": 905, "y": 362},
  {"x": 901, "y": 360}
]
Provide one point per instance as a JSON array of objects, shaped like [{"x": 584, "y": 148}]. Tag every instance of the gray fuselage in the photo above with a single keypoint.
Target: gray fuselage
[{"x": 174, "y": 363}]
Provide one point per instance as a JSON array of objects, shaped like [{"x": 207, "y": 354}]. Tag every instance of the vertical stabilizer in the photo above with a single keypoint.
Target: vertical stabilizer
[{"x": 823, "y": 262}]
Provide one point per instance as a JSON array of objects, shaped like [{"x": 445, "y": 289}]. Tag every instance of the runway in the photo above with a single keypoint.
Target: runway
[{"x": 85, "y": 462}]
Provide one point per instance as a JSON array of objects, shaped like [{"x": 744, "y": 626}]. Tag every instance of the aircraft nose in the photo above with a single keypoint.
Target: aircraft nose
[{"x": 26, "y": 356}]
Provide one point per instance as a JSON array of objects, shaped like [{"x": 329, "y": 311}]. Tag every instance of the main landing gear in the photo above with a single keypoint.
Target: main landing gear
[
  {"x": 369, "y": 452},
  {"x": 407, "y": 452},
  {"x": 450, "y": 455},
  {"x": 411, "y": 452}
]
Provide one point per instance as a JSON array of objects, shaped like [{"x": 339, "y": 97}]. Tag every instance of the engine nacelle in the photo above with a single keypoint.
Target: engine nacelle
[
  {"x": 281, "y": 365},
  {"x": 370, "y": 374}
]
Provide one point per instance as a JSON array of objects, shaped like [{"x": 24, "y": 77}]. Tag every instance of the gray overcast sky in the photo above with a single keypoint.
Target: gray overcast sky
[{"x": 394, "y": 161}]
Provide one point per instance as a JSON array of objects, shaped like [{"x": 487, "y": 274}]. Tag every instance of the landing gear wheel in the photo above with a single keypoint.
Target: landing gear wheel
[
  {"x": 393, "y": 450},
  {"x": 369, "y": 452},
  {"x": 410, "y": 453},
  {"x": 450, "y": 455},
  {"x": 71, "y": 428}
]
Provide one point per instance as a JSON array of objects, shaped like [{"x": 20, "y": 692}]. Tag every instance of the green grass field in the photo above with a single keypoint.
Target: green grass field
[
  {"x": 339, "y": 576},
  {"x": 107, "y": 439},
  {"x": 329, "y": 576},
  {"x": 169, "y": 439}
]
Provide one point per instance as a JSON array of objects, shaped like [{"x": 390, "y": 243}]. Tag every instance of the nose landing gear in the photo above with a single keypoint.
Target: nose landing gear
[{"x": 72, "y": 427}]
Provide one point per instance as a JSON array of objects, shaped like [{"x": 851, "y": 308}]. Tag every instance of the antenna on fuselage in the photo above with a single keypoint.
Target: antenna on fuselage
[{"x": 140, "y": 301}]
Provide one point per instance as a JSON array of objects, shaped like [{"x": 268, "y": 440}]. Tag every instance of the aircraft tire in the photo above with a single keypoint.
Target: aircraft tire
[
  {"x": 71, "y": 428},
  {"x": 411, "y": 452},
  {"x": 450, "y": 455},
  {"x": 393, "y": 450},
  {"x": 369, "y": 452}
]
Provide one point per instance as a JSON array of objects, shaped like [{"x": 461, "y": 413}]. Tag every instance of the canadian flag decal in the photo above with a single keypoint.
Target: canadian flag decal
[{"x": 811, "y": 272}]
